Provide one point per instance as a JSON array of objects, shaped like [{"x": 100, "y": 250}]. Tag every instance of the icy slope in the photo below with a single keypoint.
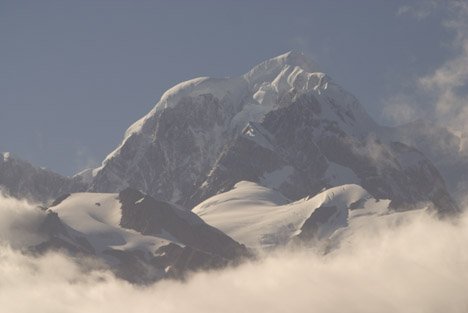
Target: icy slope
[{"x": 260, "y": 217}]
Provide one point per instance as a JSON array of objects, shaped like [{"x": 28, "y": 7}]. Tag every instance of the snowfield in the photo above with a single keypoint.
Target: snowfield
[{"x": 96, "y": 216}]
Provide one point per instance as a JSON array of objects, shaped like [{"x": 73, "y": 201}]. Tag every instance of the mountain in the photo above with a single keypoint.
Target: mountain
[
  {"x": 139, "y": 238},
  {"x": 284, "y": 125},
  {"x": 20, "y": 179},
  {"x": 221, "y": 168}
]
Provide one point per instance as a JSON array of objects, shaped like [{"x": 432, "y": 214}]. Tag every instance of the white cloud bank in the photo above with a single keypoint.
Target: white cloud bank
[{"x": 410, "y": 264}]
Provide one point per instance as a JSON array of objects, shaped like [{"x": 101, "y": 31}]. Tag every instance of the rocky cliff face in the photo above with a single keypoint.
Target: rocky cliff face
[{"x": 149, "y": 216}]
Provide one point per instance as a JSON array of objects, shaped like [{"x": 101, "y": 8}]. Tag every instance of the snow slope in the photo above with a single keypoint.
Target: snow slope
[{"x": 260, "y": 217}]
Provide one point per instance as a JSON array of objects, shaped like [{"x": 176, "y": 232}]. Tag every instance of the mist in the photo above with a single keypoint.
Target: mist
[
  {"x": 405, "y": 262},
  {"x": 439, "y": 95},
  {"x": 19, "y": 220}
]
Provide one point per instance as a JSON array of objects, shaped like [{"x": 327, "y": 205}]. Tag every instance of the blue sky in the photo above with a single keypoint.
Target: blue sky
[{"x": 75, "y": 74}]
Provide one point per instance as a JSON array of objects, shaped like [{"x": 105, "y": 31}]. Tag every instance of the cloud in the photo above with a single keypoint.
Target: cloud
[
  {"x": 84, "y": 159},
  {"x": 406, "y": 262},
  {"x": 442, "y": 94},
  {"x": 449, "y": 83},
  {"x": 19, "y": 220},
  {"x": 399, "y": 109},
  {"x": 419, "y": 9}
]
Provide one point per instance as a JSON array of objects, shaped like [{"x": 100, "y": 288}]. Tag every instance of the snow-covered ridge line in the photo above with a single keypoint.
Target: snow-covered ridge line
[{"x": 283, "y": 69}]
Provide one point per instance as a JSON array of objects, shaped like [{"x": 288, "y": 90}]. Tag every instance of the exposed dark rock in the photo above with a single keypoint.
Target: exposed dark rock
[
  {"x": 60, "y": 237},
  {"x": 321, "y": 224},
  {"x": 150, "y": 217}
]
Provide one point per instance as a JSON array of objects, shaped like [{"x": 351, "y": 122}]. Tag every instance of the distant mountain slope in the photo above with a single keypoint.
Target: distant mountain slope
[
  {"x": 447, "y": 149},
  {"x": 20, "y": 179}
]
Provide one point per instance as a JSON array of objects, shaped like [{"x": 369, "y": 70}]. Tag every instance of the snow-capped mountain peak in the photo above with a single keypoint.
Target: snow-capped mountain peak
[
  {"x": 285, "y": 72},
  {"x": 269, "y": 69}
]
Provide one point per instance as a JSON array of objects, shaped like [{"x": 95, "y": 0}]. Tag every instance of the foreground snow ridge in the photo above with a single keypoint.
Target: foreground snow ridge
[{"x": 260, "y": 217}]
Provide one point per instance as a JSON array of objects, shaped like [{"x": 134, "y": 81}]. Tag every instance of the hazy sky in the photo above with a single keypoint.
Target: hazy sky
[{"x": 75, "y": 74}]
